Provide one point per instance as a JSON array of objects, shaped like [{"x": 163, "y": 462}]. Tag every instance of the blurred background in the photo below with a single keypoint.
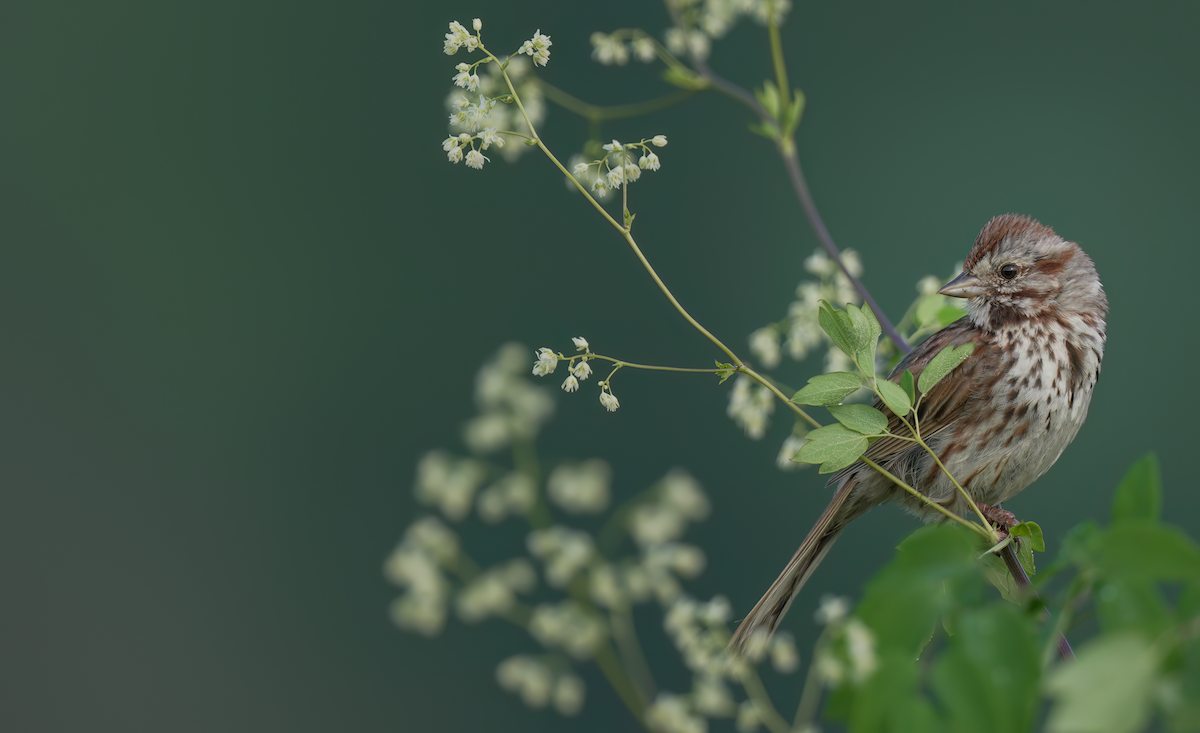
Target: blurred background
[{"x": 243, "y": 293}]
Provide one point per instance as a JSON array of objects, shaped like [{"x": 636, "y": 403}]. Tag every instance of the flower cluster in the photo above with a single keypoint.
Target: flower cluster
[
  {"x": 617, "y": 168},
  {"x": 616, "y": 48},
  {"x": 538, "y": 685},
  {"x": 510, "y": 407},
  {"x": 847, "y": 652},
  {"x": 494, "y": 592},
  {"x": 493, "y": 116},
  {"x": 537, "y": 48},
  {"x": 578, "y": 368},
  {"x": 750, "y": 407},
  {"x": 582, "y": 488},
  {"x": 568, "y": 626},
  {"x": 416, "y": 566}
]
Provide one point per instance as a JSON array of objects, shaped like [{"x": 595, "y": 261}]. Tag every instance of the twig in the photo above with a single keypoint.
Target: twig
[{"x": 1009, "y": 553}]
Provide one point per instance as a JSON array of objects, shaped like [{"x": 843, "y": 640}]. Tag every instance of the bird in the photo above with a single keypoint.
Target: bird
[{"x": 1036, "y": 313}]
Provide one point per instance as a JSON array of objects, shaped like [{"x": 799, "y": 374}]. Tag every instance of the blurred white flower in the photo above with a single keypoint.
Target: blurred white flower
[
  {"x": 582, "y": 488},
  {"x": 764, "y": 344},
  {"x": 450, "y": 484},
  {"x": 711, "y": 697},
  {"x": 565, "y": 552},
  {"x": 527, "y": 677},
  {"x": 569, "y": 693},
  {"x": 670, "y": 713},
  {"x": 750, "y": 407},
  {"x": 791, "y": 446},
  {"x": 568, "y": 626},
  {"x": 784, "y": 656},
  {"x": 609, "y": 50},
  {"x": 643, "y": 48},
  {"x": 748, "y": 718},
  {"x": 682, "y": 493},
  {"x": 833, "y": 609}
]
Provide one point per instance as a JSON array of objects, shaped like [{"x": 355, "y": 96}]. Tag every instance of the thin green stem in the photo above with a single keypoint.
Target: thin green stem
[
  {"x": 949, "y": 514},
  {"x": 625, "y": 634},
  {"x": 810, "y": 695},
  {"x": 598, "y": 113},
  {"x": 771, "y": 718},
  {"x": 649, "y": 367},
  {"x": 610, "y": 667},
  {"x": 781, "y": 79}
]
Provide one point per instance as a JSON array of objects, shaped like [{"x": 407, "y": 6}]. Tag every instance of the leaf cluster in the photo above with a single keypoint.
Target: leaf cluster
[{"x": 949, "y": 659}]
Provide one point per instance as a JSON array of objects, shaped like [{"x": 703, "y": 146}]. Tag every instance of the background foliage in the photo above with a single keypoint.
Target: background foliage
[{"x": 244, "y": 292}]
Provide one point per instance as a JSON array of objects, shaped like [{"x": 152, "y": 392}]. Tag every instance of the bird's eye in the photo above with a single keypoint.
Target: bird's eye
[{"x": 1008, "y": 272}]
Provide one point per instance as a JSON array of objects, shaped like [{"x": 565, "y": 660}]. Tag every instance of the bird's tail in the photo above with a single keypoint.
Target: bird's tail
[{"x": 769, "y": 611}]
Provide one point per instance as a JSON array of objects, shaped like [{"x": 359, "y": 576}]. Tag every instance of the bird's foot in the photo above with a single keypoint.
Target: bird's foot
[{"x": 998, "y": 516}]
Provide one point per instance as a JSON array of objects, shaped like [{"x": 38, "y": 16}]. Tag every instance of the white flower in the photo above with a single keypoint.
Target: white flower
[
  {"x": 852, "y": 262},
  {"x": 452, "y": 142},
  {"x": 465, "y": 78},
  {"x": 750, "y": 407},
  {"x": 604, "y": 586},
  {"x": 658, "y": 141},
  {"x": 581, "y": 344},
  {"x": 683, "y": 494},
  {"x": 649, "y": 161},
  {"x": 418, "y": 613},
  {"x": 477, "y": 24},
  {"x": 860, "y": 645},
  {"x": 547, "y": 360},
  {"x": 487, "y": 432},
  {"x": 454, "y": 155},
  {"x": 929, "y": 285},
  {"x": 654, "y": 524},
  {"x": 832, "y": 609},
  {"x": 570, "y": 384},
  {"x": 565, "y": 551},
  {"x": 609, "y": 50},
  {"x": 791, "y": 446},
  {"x": 490, "y": 137},
  {"x": 644, "y": 49},
  {"x": 528, "y": 677},
  {"x": 537, "y": 47},
  {"x": 784, "y": 656},
  {"x": 716, "y": 612},
  {"x": 568, "y": 694},
  {"x": 582, "y": 370},
  {"x": 457, "y": 37},
  {"x": 613, "y": 147},
  {"x": 764, "y": 344},
  {"x": 581, "y": 489},
  {"x": 632, "y": 172},
  {"x": 449, "y": 484},
  {"x": 748, "y": 718},
  {"x": 475, "y": 159},
  {"x": 670, "y": 714},
  {"x": 600, "y": 188},
  {"x": 711, "y": 697},
  {"x": 818, "y": 263},
  {"x": 581, "y": 170},
  {"x": 616, "y": 176},
  {"x": 609, "y": 401},
  {"x": 568, "y": 626}
]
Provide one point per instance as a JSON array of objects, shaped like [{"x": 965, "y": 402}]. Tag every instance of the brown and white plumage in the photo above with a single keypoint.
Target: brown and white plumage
[{"x": 1000, "y": 419}]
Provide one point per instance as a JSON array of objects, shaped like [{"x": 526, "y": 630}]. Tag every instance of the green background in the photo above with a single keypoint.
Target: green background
[{"x": 244, "y": 292}]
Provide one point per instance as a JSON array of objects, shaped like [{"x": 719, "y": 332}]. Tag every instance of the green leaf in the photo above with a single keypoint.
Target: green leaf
[
  {"x": 1132, "y": 604},
  {"x": 836, "y": 325},
  {"x": 927, "y": 309},
  {"x": 827, "y": 389},
  {"x": 1148, "y": 551},
  {"x": 726, "y": 371},
  {"x": 795, "y": 113},
  {"x": 906, "y": 384},
  {"x": 997, "y": 574},
  {"x": 1033, "y": 531},
  {"x": 834, "y": 447},
  {"x": 1025, "y": 557},
  {"x": 894, "y": 397},
  {"x": 860, "y": 418},
  {"x": 1109, "y": 687},
  {"x": 867, "y": 330},
  {"x": 949, "y": 314},
  {"x": 988, "y": 679},
  {"x": 942, "y": 364},
  {"x": 1139, "y": 495},
  {"x": 891, "y": 701},
  {"x": 933, "y": 572}
]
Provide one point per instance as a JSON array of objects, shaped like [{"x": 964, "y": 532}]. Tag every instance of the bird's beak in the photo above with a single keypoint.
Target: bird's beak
[{"x": 965, "y": 285}]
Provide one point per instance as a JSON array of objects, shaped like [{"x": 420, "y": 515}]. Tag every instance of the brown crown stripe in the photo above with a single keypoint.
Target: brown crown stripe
[{"x": 1001, "y": 228}]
